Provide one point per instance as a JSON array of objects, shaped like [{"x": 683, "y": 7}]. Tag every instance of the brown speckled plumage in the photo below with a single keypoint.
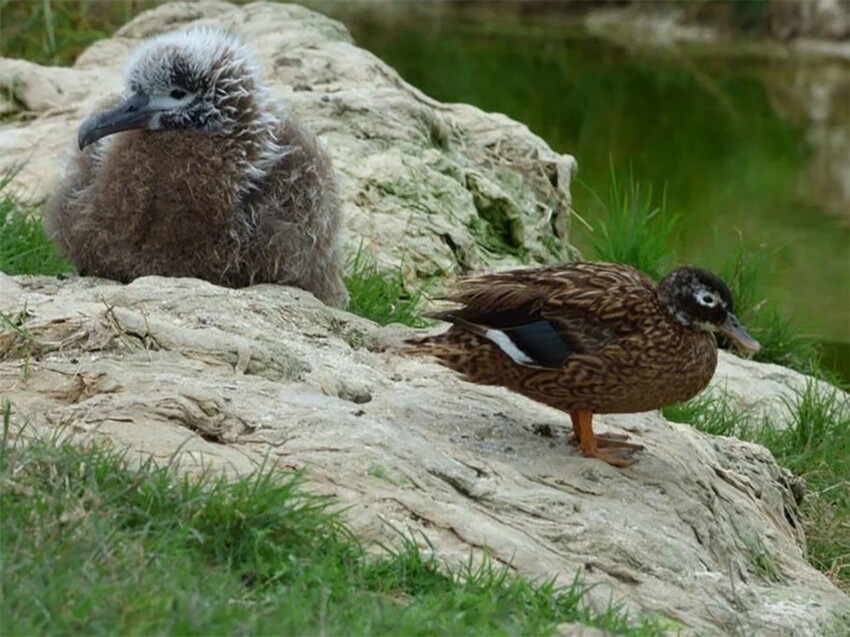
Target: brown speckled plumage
[
  {"x": 610, "y": 339},
  {"x": 231, "y": 188}
]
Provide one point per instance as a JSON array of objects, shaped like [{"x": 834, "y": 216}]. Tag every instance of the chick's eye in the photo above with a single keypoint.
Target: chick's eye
[
  {"x": 177, "y": 94},
  {"x": 707, "y": 300}
]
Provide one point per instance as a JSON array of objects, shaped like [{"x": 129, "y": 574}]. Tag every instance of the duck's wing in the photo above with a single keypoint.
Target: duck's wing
[{"x": 544, "y": 316}]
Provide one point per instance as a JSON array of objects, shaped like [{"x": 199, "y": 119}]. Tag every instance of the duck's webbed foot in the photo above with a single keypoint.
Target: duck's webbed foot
[
  {"x": 618, "y": 458},
  {"x": 616, "y": 441},
  {"x": 619, "y": 452}
]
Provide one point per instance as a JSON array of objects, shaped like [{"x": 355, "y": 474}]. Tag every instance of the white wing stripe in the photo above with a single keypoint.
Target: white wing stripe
[{"x": 507, "y": 346}]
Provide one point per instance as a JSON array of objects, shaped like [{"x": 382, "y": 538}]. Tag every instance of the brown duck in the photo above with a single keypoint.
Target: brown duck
[{"x": 589, "y": 338}]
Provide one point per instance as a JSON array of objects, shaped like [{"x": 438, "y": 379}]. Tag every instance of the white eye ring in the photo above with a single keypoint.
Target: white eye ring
[{"x": 706, "y": 299}]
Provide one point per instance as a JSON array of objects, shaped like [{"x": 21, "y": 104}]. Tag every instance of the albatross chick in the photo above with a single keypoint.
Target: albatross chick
[{"x": 197, "y": 172}]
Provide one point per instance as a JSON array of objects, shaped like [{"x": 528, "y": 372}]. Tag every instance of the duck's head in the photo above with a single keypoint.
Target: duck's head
[
  {"x": 698, "y": 299},
  {"x": 200, "y": 78}
]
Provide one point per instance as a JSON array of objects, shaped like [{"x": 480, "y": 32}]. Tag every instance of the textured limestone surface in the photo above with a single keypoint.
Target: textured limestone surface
[{"x": 702, "y": 530}]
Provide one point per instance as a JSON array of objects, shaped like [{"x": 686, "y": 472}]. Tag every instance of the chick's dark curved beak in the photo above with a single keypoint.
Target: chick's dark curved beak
[
  {"x": 737, "y": 334},
  {"x": 133, "y": 113}
]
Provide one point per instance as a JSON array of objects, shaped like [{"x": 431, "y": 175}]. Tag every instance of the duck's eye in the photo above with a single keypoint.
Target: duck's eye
[
  {"x": 177, "y": 94},
  {"x": 706, "y": 299}
]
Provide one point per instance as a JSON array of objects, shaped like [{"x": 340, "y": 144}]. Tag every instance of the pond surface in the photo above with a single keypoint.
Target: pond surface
[{"x": 753, "y": 151}]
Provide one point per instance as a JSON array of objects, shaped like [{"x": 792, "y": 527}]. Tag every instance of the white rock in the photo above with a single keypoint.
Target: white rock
[{"x": 704, "y": 531}]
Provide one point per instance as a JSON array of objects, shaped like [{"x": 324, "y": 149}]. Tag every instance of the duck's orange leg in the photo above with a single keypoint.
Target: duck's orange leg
[
  {"x": 576, "y": 427},
  {"x": 583, "y": 428}
]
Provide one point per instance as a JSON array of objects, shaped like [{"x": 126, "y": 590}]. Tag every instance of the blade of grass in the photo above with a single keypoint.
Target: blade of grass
[{"x": 24, "y": 248}]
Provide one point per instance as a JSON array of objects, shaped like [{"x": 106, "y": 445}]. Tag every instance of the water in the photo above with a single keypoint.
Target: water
[{"x": 753, "y": 151}]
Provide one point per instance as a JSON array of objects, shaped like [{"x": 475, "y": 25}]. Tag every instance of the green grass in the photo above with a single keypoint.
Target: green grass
[
  {"x": 24, "y": 248},
  {"x": 92, "y": 546},
  {"x": 634, "y": 229},
  {"x": 382, "y": 296},
  {"x": 712, "y": 412},
  {"x": 815, "y": 445},
  {"x": 56, "y": 31},
  {"x": 780, "y": 339}
]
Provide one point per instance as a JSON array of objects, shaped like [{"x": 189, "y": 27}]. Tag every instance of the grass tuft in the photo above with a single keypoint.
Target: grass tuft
[
  {"x": 814, "y": 445},
  {"x": 382, "y": 296},
  {"x": 780, "y": 339},
  {"x": 55, "y": 32},
  {"x": 24, "y": 248},
  {"x": 712, "y": 412},
  {"x": 96, "y": 546},
  {"x": 634, "y": 230}
]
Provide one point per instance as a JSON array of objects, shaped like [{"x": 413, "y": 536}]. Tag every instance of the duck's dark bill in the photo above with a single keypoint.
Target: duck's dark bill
[{"x": 738, "y": 335}]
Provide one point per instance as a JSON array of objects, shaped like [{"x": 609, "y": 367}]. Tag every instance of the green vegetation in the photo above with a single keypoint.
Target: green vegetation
[
  {"x": 24, "y": 248},
  {"x": 381, "y": 296},
  {"x": 815, "y": 446},
  {"x": 92, "y": 546},
  {"x": 56, "y": 32},
  {"x": 752, "y": 17},
  {"x": 711, "y": 412},
  {"x": 780, "y": 339},
  {"x": 633, "y": 229}
]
